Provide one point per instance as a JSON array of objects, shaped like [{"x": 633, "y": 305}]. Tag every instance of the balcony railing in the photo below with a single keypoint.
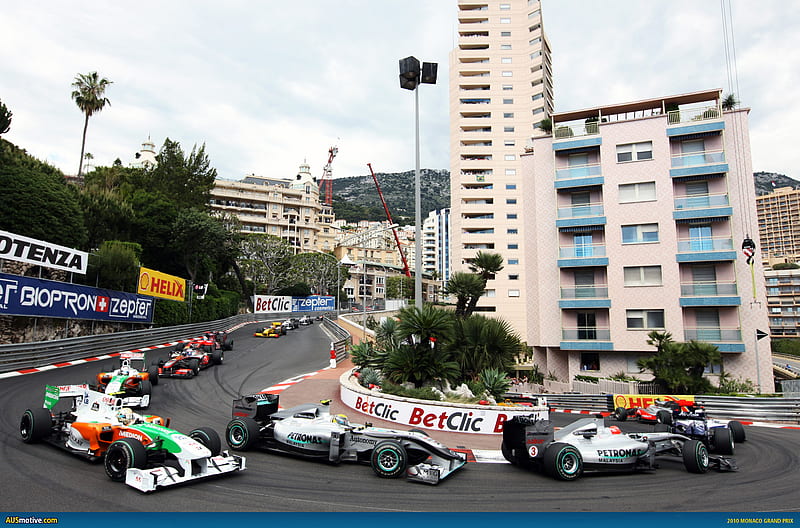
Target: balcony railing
[
  {"x": 589, "y": 333},
  {"x": 580, "y": 211},
  {"x": 687, "y": 114},
  {"x": 599, "y": 291},
  {"x": 701, "y": 201},
  {"x": 574, "y": 129},
  {"x": 583, "y": 251},
  {"x": 696, "y": 245},
  {"x": 708, "y": 289},
  {"x": 578, "y": 171},
  {"x": 694, "y": 159},
  {"x": 710, "y": 334}
]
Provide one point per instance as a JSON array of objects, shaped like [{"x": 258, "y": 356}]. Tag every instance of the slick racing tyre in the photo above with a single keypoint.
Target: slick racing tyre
[
  {"x": 195, "y": 366},
  {"x": 389, "y": 459},
  {"x": 695, "y": 456},
  {"x": 621, "y": 414},
  {"x": 217, "y": 358},
  {"x": 123, "y": 454},
  {"x": 664, "y": 417},
  {"x": 145, "y": 389},
  {"x": 152, "y": 373},
  {"x": 242, "y": 433},
  {"x": 209, "y": 438},
  {"x": 563, "y": 461},
  {"x": 35, "y": 425},
  {"x": 737, "y": 430},
  {"x": 722, "y": 440}
]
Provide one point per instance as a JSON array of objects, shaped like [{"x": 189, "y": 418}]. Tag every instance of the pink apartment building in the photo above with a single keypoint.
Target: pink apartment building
[{"x": 636, "y": 221}]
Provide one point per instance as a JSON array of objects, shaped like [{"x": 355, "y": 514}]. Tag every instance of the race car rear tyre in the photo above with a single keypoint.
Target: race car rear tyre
[
  {"x": 35, "y": 424},
  {"x": 722, "y": 439},
  {"x": 242, "y": 433},
  {"x": 661, "y": 428},
  {"x": 389, "y": 459},
  {"x": 664, "y": 417},
  {"x": 737, "y": 430},
  {"x": 563, "y": 461},
  {"x": 123, "y": 454},
  {"x": 508, "y": 454},
  {"x": 209, "y": 438},
  {"x": 621, "y": 414},
  {"x": 695, "y": 456},
  {"x": 195, "y": 366},
  {"x": 152, "y": 373},
  {"x": 227, "y": 345},
  {"x": 217, "y": 358}
]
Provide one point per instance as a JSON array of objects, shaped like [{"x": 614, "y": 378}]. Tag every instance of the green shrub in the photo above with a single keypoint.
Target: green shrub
[
  {"x": 496, "y": 382},
  {"x": 588, "y": 379},
  {"x": 370, "y": 376},
  {"x": 425, "y": 393}
]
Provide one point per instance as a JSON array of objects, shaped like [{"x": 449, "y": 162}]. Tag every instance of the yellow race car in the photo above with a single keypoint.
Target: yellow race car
[{"x": 274, "y": 330}]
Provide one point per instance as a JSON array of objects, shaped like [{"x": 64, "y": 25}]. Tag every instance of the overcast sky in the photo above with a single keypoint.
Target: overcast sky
[{"x": 266, "y": 85}]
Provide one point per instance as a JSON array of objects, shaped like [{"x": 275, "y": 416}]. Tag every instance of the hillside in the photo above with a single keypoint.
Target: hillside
[
  {"x": 355, "y": 198},
  {"x": 763, "y": 181}
]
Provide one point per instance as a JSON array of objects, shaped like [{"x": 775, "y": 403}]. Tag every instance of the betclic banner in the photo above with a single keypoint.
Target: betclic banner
[
  {"x": 32, "y": 297},
  {"x": 32, "y": 251},
  {"x": 157, "y": 284},
  {"x": 284, "y": 303}
]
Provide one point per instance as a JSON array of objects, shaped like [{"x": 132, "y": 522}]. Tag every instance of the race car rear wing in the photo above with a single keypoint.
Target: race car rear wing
[
  {"x": 257, "y": 406},
  {"x": 527, "y": 436}
]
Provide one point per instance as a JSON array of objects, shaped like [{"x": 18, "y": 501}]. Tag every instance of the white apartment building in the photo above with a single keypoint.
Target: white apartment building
[
  {"x": 436, "y": 244},
  {"x": 500, "y": 89}
]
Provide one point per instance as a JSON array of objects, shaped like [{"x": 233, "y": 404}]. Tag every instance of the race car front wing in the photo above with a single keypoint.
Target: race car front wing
[{"x": 151, "y": 479}]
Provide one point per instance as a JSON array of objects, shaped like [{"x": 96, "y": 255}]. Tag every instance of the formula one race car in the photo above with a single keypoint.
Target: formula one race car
[
  {"x": 587, "y": 444},
  {"x": 310, "y": 430},
  {"x": 688, "y": 419},
  {"x": 274, "y": 330},
  {"x": 187, "y": 359},
  {"x": 656, "y": 412},
  {"x": 139, "y": 450},
  {"x": 222, "y": 339},
  {"x": 133, "y": 381}
]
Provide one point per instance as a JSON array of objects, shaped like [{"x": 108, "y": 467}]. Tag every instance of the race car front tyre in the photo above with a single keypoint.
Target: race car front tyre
[
  {"x": 195, "y": 366},
  {"x": 209, "y": 438},
  {"x": 217, "y": 358},
  {"x": 35, "y": 424},
  {"x": 737, "y": 430},
  {"x": 563, "y": 461},
  {"x": 695, "y": 456},
  {"x": 722, "y": 439},
  {"x": 242, "y": 433},
  {"x": 152, "y": 373},
  {"x": 123, "y": 454},
  {"x": 664, "y": 417},
  {"x": 389, "y": 459},
  {"x": 621, "y": 414}
]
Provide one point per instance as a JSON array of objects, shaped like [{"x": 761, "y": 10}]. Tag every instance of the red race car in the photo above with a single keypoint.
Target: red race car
[
  {"x": 660, "y": 411},
  {"x": 187, "y": 359}
]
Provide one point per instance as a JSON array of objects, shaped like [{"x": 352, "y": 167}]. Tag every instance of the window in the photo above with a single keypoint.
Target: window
[
  {"x": 508, "y": 115},
  {"x": 513, "y": 246},
  {"x": 505, "y": 46},
  {"x": 590, "y": 361},
  {"x": 507, "y": 74},
  {"x": 635, "y": 151},
  {"x": 505, "y": 60},
  {"x": 511, "y": 172},
  {"x": 512, "y": 231},
  {"x": 510, "y": 157},
  {"x": 509, "y": 143},
  {"x": 632, "y": 363},
  {"x": 645, "y": 319},
  {"x": 642, "y": 275},
  {"x": 637, "y": 192},
  {"x": 508, "y": 87},
  {"x": 508, "y": 129},
  {"x": 513, "y": 262},
  {"x": 513, "y": 277},
  {"x": 511, "y": 216},
  {"x": 513, "y": 293},
  {"x": 511, "y": 201},
  {"x": 639, "y": 234},
  {"x": 511, "y": 186},
  {"x": 489, "y": 293},
  {"x": 505, "y": 7},
  {"x": 505, "y": 33},
  {"x": 508, "y": 101},
  {"x": 505, "y": 20}
]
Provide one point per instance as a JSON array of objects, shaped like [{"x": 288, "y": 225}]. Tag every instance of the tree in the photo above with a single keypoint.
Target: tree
[
  {"x": 400, "y": 287},
  {"x": 464, "y": 286},
  {"x": 680, "y": 366},
  {"x": 5, "y": 118},
  {"x": 318, "y": 271},
  {"x": 115, "y": 265},
  {"x": 89, "y": 95},
  {"x": 187, "y": 180},
  {"x": 486, "y": 265},
  {"x": 196, "y": 237},
  {"x": 546, "y": 125},
  {"x": 265, "y": 260},
  {"x": 426, "y": 325},
  {"x": 482, "y": 343},
  {"x": 729, "y": 102}
]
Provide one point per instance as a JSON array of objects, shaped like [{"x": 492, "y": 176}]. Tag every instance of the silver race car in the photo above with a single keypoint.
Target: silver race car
[
  {"x": 587, "y": 444},
  {"x": 310, "y": 430}
]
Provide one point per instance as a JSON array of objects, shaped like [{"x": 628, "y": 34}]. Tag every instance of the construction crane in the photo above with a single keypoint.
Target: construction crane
[
  {"x": 326, "y": 182},
  {"x": 391, "y": 223}
]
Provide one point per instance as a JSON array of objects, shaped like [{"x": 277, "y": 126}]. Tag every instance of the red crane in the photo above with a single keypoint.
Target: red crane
[
  {"x": 326, "y": 182},
  {"x": 391, "y": 223}
]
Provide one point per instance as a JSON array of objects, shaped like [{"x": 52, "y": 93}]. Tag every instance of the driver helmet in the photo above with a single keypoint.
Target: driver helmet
[
  {"x": 340, "y": 419},
  {"x": 125, "y": 416},
  {"x": 614, "y": 429}
]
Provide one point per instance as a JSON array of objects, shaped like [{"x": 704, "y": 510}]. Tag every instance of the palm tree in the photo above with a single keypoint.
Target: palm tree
[
  {"x": 88, "y": 94},
  {"x": 482, "y": 343},
  {"x": 729, "y": 102},
  {"x": 5, "y": 118},
  {"x": 426, "y": 325},
  {"x": 486, "y": 265},
  {"x": 464, "y": 286}
]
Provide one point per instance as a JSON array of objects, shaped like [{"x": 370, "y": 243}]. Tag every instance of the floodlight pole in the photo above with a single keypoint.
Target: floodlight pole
[{"x": 417, "y": 210}]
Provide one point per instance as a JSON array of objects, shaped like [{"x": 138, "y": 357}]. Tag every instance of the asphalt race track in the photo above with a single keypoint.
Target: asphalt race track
[{"x": 43, "y": 478}]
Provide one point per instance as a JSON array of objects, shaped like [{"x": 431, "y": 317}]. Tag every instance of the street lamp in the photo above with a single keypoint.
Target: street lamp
[
  {"x": 339, "y": 264},
  {"x": 411, "y": 75}
]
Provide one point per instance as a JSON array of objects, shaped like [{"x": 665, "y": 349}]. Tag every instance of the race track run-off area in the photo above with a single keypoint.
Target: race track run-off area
[{"x": 48, "y": 479}]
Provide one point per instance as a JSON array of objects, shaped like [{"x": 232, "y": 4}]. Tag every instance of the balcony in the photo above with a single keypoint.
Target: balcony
[
  {"x": 698, "y": 164},
  {"x": 725, "y": 339},
  {"x": 711, "y": 249},
  {"x": 700, "y": 294},
  {"x": 595, "y": 296},
  {"x": 702, "y": 206},
  {"x": 584, "y": 255},
  {"x": 586, "y": 338},
  {"x": 694, "y": 119},
  {"x": 564, "y": 135},
  {"x": 579, "y": 176},
  {"x": 581, "y": 215}
]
